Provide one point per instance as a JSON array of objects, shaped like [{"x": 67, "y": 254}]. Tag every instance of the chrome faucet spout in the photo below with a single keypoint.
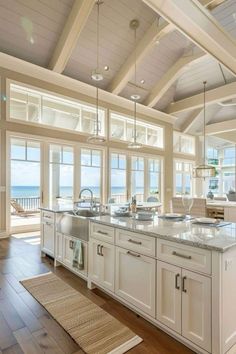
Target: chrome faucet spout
[{"x": 91, "y": 195}]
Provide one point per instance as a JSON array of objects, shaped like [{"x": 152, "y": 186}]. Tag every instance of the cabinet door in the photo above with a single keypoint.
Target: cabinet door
[
  {"x": 48, "y": 237},
  {"x": 94, "y": 260},
  {"x": 196, "y": 309},
  {"x": 135, "y": 279},
  {"x": 67, "y": 250},
  {"x": 169, "y": 295},
  {"x": 107, "y": 266},
  {"x": 59, "y": 246}
]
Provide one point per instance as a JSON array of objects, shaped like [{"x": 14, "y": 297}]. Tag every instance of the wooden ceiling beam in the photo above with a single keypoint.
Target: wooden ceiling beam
[
  {"x": 170, "y": 77},
  {"x": 189, "y": 122},
  {"x": 154, "y": 33},
  {"x": 75, "y": 23},
  {"x": 221, "y": 127},
  {"x": 219, "y": 94},
  {"x": 195, "y": 22}
]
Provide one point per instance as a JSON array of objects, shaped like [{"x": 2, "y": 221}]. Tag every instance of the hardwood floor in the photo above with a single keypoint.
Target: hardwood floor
[{"x": 25, "y": 327}]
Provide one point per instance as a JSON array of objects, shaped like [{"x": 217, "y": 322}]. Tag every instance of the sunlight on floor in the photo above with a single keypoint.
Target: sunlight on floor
[{"x": 32, "y": 238}]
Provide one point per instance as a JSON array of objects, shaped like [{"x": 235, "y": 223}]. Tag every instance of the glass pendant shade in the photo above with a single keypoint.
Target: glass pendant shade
[
  {"x": 204, "y": 171},
  {"x": 97, "y": 75}
]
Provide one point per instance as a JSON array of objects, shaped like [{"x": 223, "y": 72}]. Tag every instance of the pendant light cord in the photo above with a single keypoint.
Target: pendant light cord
[
  {"x": 204, "y": 122},
  {"x": 135, "y": 81},
  {"x": 98, "y": 36}
]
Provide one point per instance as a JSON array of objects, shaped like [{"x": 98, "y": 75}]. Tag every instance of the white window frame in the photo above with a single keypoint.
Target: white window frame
[
  {"x": 129, "y": 119},
  {"x": 180, "y": 135},
  {"x": 51, "y": 94},
  {"x": 183, "y": 176}
]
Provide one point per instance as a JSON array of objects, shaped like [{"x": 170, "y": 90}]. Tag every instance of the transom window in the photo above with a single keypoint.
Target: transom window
[
  {"x": 35, "y": 106},
  {"x": 183, "y": 143},
  {"x": 121, "y": 128}
]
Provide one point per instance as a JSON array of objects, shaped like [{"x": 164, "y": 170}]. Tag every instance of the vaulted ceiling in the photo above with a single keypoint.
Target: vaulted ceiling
[{"x": 173, "y": 58}]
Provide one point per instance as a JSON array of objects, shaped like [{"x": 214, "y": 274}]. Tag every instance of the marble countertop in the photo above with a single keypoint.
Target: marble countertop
[
  {"x": 213, "y": 238},
  {"x": 58, "y": 208},
  {"x": 222, "y": 204}
]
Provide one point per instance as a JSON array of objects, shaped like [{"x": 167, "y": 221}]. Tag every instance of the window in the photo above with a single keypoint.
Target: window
[
  {"x": 134, "y": 175},
  {"x": 137, "y": 177},
  {"x": 184, "y": 144},
  {"x": 118, "y": 187},
  {"x": 91, "y": 163},
  {"x": 61, "y": 160},
  {"x": 183, "y": 180},
  {"x": 121, "y": 128},
  {"x": 154, "y": 176},
  {"x": 35, "y": 106}
]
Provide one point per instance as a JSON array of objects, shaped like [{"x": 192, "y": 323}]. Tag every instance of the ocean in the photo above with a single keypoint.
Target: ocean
[{"x": 66, "y": 191}]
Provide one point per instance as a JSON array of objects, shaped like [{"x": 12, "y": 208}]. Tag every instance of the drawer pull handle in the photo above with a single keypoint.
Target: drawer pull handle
[
  {"x": 135, "y": 242},
  {"x": 102, "y": 232},
  {"x": 71, "y": 244},
  {"x": 101, "y": 248},
  {"x": 48, "y": 223},
  {"x": 133, "y": 254},
  {"x": 183, "y": 284},
  {"x": 98, "y": 250},
  {"x": 47, "y": 217},
  {"x": 176, "y": 281},
  {"x": 181, "y": 255}
]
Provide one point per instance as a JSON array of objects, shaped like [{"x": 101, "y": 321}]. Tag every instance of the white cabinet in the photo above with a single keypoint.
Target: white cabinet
[
  {"x": 230, "y": 214},
  {"x": 59, "y": 246},
  {"x": 192, "y": 319},
  {"x": 135, "y": 279},
  {"x": 67, "y": 251},
  {"x": 102, "y": 263},
  {"x": 196, "y": 309},
  {"x": 47, "y": 237},
  {"x": 169, "y": 295}
]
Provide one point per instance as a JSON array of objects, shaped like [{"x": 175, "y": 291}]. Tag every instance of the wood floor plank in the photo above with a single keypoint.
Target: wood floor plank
[
  {"x": 6, "y": 336},
  {"x": 11, "y": 316},
  {"x": 47, "y": 343},
  {"x": 34, "y": 306},
  {"x": 27, "y": 342},
  {"x": 14, "y": 283},
  {"x": 64, "y": 341},
  {"x": 15, "y": 349}
]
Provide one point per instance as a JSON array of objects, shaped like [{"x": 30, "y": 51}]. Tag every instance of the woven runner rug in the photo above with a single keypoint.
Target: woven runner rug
[{"x": 92, "y": 328}]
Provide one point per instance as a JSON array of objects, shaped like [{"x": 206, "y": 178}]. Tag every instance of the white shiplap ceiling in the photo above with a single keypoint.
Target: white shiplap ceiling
[{"x": 31, "y": 29}]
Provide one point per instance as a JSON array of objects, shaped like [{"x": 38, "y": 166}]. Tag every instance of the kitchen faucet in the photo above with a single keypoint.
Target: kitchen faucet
[{"x": 91, "y": 198}]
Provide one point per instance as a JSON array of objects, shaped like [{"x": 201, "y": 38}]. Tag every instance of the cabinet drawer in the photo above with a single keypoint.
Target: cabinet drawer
[
  {"x": 193, "y": 258},
  {"x": 136, "y": 242},
  {"x": 102, "y": 232},
  {"x": 48, "y": 216}
]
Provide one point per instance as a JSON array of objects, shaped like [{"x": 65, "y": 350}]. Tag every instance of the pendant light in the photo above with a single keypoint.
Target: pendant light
[
  {"x": 134, "y": 24},
  {"x": 204, "y": 170},
  {"x": 97, "y": 76}
]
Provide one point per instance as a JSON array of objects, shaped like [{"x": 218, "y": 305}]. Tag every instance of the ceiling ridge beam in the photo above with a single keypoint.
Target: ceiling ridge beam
[
  {"x": 75, "y": 23},
  {"x": 149, "y": 39},
  {"x": 216, "y": 95},
  {"x": 170, "y": 76},
  {"x": 196, "y": 23}
]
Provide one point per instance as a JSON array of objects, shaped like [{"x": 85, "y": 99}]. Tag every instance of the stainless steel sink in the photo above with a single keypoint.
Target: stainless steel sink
[{"x": 74, "y": 225}]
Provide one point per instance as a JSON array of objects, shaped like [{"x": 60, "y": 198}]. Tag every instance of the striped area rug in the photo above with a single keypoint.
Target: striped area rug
[{"x": 95, "y": 331}]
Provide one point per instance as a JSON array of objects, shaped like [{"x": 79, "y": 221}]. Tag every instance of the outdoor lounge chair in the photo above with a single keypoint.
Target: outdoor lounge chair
[{"x": 20, "y": 211}]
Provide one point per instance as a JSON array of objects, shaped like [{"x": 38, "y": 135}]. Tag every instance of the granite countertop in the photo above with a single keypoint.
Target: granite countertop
[
  {"x": 58, "y": 208},
  {"x": 213, "y": 238}
]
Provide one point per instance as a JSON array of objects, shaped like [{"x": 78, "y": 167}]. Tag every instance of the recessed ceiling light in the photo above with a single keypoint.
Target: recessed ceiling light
[
  {"x": 106, "y": 68},
  {"x": 142, "y": 81},
  {"x": 135, "y": 97}
]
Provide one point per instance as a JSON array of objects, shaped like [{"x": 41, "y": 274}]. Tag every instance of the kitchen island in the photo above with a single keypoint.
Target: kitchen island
[{"x": 180, "y": 276}]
